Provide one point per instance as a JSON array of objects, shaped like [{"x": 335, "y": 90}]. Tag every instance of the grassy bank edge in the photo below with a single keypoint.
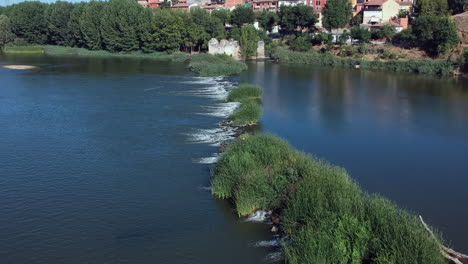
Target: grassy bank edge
[
  {"x": 422, "y": 66},
  {"x": 323, "y": 212},
  {"x": 204, "y": 64},
  {"x": 250, "y": 110}
]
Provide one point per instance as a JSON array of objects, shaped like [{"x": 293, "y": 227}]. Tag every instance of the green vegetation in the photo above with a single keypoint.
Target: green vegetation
[
  {"x": 215, "y": 65},
  {"x": 23, "y": 49},
  {"x": 6, "y": 35},
  {"x": 250, "y": 110},
  {"x": 328, "y": 218},
  {"x": 337, "y": 14},
  {"x": 424, "y": 66},
  {"x": 293, "y": 17},
  {"x": 248, "y": 41}
]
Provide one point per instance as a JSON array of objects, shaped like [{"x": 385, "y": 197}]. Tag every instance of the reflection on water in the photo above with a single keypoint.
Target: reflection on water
[{"x": 402, "y": 135}]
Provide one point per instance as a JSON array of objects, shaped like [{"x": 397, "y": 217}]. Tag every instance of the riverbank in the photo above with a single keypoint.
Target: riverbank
[
  {"x": 322, "y": 214},
  {"x": 203, "y": 64},
  {"x": 420, "y": 66}
]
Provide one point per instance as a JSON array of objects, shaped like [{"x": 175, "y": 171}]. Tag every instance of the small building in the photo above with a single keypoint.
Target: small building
[
  {"x": 185, "y": 6},
  {"x": 380, "y": 11},
  {"x": 260, "y": 5}
]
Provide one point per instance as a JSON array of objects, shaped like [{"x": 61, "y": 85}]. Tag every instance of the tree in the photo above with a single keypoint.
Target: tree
[
  {"x": 356, "y": 20},
  {"x": 28, "y": 21},
  {"x": 90, "y": 25},
  {"x": 267, "y": 19},
  {"x": 6, "y": 34},
  {"x": 336, "y": 14},
  {"x": 300, "y": 43},
  {"x": 361, "y": 34},
  {"x": 168, "y": 30},
  {"x": 296, "y": 17},
  {"x": 458, "y": 6},
  {"x": 120, "y": 25},
  {"x": 385, "y": 32},
  {"x": 242, "y": 15},
  {"x": 222, "y": 14},
  {"x": 431, "y": 7},
  {"x": 76, "y": 36},
  {"x": 57, "y": 16},
  {"x": 435, "y": 34},
  {"x": 248, "y": 41}
]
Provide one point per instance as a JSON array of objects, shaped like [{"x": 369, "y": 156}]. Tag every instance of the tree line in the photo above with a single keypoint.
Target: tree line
[{"x": 125, "y": 26}]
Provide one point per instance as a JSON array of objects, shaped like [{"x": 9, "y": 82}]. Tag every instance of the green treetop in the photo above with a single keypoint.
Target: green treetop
[{"x": 336, "y": 14}]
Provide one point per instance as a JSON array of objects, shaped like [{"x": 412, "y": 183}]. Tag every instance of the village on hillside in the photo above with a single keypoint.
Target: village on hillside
[{"x": 373, "y": 13}]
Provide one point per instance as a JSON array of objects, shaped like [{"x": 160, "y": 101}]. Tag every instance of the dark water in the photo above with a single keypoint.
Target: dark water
[
  {"x": 102, "y": 160},
  {"x": 404, "y": 136},
  {"x": 100, "y": 163}
]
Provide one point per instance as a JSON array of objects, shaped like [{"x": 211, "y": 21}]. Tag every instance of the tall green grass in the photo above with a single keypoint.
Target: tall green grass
[
  {"x": 250, "y": 110},
  {"x": 425, "y": 66},
  {"x": 23, "y": 50},
  {"x": 245, "y": 92},
  {"x": 215, "y": 65},
  {"x": 327, "y": 215}
]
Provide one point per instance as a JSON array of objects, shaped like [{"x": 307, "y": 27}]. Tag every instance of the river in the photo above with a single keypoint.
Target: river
[{"x": 108, "y": 160}]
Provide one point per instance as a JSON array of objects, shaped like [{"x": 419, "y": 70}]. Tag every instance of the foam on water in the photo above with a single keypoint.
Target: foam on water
[
  {"x": 259, "y": 216},
  {"x": 213, "y": 87},
  {"x": 267, "y": 243},
  {"x": 274, "y": 256},
  {"x": 211, "y": 136},
  {"x": 208, "y": 160},
  {"x": 220, "y": 110}
]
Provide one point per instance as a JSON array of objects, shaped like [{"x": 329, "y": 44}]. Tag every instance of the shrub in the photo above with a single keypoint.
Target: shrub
[
  {"x": 300, "y": 43},
  {"x": 248, "y": 113},
  {"x": 245, "y": 92}
]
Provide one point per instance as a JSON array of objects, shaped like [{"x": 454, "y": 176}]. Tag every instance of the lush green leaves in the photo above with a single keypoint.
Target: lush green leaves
[
  {"x": 242, "y": 15},
  {"x": 29, "y": 21},
  {"x": 294, "y": 18},
  {"x": 248, "y": 41},
  {"x": 431, "y": 7},
  {"x": 6, "y": 34},
  {"x": 267, "y": 20},
  {"x": 57, "y": 17},
  {"x": 336, "y": 14},
  {"x": 361, "y": 34},
  {"x": 435, "y": 34}
]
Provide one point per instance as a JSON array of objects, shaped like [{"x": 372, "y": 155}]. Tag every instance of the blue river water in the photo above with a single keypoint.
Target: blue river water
[{"x": 108, "y": 160}]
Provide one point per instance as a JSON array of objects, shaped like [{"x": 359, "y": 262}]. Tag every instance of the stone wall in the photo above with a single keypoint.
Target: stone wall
[{"x": 228, "y": 47}]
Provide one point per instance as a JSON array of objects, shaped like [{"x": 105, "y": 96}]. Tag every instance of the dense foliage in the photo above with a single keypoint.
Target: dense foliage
[
  {"x": 118, "y": 25},
  {"x": 6, "y": 34},
  {"x": 336, "y": 14},
  {"x": 327, "y": 216},
  {"x": 433, "y": 67},
  {"x": 294, "y": 19}
]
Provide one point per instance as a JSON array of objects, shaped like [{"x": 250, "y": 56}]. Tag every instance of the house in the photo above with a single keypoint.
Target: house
[
  {"x": 380, "y": 11},
  {"x": 260, "y": 5},
  {"x": 185, "y": 6}
]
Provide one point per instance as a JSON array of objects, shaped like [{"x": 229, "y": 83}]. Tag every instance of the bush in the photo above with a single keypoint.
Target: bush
[
  {"x": 300, "y": 43},
  {"x": 245, "y": 92},
  {"x": 250, "y": 111}
]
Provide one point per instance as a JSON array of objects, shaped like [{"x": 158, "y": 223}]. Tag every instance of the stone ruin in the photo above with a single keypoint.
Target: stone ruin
[{"x": 233, "y": 49}]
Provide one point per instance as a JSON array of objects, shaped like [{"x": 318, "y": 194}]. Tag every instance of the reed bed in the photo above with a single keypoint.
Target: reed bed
[{"x": 327, "y": 216}]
